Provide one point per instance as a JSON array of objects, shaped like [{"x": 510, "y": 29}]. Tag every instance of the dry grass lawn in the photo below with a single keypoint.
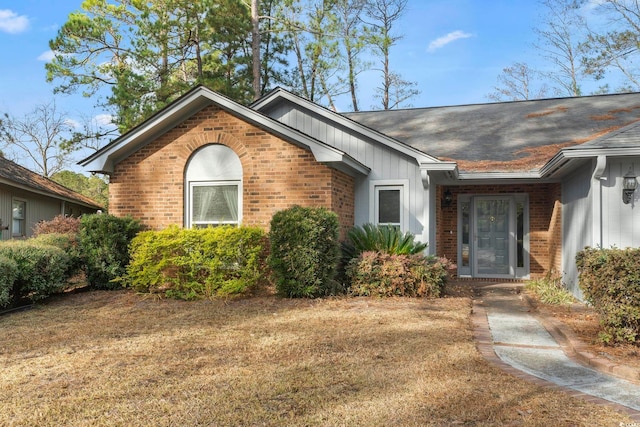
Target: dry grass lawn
[{"x": 121, "y": 359}]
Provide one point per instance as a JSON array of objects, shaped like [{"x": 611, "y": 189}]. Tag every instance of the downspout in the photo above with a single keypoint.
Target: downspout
[{"x": 596, "y": 200}]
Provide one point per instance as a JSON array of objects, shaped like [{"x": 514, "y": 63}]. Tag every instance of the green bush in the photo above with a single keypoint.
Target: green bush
[
  {"x": 550, "y": 291},
  {"x": 8, "y": 275},
  {"x": 70, "y": 243},
  {"x": 104, "y": 242},
  {"x": 381, "y": 238},
  {"x": 60, "y": 224},
  {"x": 41, "y": 269},
  {"x": 385, "y": 275},
  {"x": 610, "y": 281},
  {"x": 196, "y": 263},
  {"x": 304, "y": 251}
]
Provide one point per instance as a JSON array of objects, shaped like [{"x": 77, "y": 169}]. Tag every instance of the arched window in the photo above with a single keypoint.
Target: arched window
[{"x": 213, "y": 187}]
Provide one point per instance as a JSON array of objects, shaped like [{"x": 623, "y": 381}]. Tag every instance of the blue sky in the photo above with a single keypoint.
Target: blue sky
[{"x": 453, "y": 49}]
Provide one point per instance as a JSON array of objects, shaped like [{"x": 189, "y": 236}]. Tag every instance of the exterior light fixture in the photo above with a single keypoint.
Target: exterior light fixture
[
  {"x": 447, "y": 198},
  {"x": 629, "y": 185}
]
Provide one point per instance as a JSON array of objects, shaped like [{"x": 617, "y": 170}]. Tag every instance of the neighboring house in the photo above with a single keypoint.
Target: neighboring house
[
  {"x": 506, "y": 190},
  {"x": 27, "y": 198}
]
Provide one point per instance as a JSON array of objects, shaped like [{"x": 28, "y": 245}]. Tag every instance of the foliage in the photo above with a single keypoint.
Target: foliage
[
  {"x": 41, "y": 269},
  {"x": 304, "y": 251},
  {"x": 188, "y": 264},
  {"x": 516, "y": 83},
  {"x": 149, "y": 53},
  {"x": 8, "y": 275},
  {"x": 104, "y": 241},
  {"x": 93, "y": 187},
  {"x": 380, "y": 238},
  {"x": 610, "y": 281},
  {"x": 60, "y": 224},
  {"x": 550, "y": 291},
  {"x": 385, "y": 275},
  {"x": 70, "y": 244}
]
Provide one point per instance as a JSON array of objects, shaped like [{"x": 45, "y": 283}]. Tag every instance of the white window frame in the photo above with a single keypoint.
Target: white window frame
[
  {"x": 380, "y": 185},
  {"x": 23, "y": 220},
  {"x": 192, "y": 184}
]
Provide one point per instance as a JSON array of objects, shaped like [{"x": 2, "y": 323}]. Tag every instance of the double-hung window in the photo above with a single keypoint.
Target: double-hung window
[
  {"x": 19, "y": 219},
  {"x": 214, "y": 203}
]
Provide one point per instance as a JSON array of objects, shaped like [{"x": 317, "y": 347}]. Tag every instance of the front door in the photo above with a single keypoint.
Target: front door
[
  {"x": 493, "y": 236},
  {"x": 493, "y": 245}
]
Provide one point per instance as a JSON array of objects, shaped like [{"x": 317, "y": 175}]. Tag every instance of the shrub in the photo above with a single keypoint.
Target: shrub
[
  {"x": 195, "y": 263},
  {"x": 8, "y": 275},
  {"x": 70, "y": 243},
  {"x": 382, "y": 274},
  {"x": 550, "y": 291},
  {"x": 380, "y": 238},
  {"x": 610, "y": 281},
  {"x": 104, "y": 242},
  {"x": 304, "y": 251},
  {"x": 41, "y": 269},
  {"x": 60, "y": 224}
]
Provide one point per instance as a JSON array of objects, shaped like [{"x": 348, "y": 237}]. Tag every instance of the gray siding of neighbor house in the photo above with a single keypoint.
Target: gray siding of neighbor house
[
  {"x": 577, "y": 222},
  {"x": 37, "y": 208},
  {"x": 385, "y": 163},
  {"x": 620, "y": 222}
]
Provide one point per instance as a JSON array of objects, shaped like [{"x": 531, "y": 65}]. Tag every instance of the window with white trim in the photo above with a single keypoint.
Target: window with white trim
[
  {"x": 19, "y": 222},
  {"x": 214, "y": 187},
  {"x": 388, "y": 205}
]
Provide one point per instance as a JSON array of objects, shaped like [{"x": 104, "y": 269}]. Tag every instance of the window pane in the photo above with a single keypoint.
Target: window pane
[
  {"x": 216, "y": 203},
  {"x": 18, "y": 225},
  {"x": 465, "y": 233},
  {"x": 389, "y": 206}
]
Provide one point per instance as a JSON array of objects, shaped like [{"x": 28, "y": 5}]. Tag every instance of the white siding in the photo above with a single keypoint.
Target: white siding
[
  {"x": 385, "y": 163},
  {"x": 577, "y": 220}
]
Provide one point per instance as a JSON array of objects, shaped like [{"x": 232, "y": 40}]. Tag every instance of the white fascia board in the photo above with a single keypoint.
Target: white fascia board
[
  {"x": 470, "y": 176},
  {"x": 348, "y": 123},
  {"x": 104, "y": 161}
]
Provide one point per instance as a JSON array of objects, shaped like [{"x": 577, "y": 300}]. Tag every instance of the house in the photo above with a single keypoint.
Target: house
[
  {"x": 27, "y": 198},
  {"x": 506, "y": 190}
]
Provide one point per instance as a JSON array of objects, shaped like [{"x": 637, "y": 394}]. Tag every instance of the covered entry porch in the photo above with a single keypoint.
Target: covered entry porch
[{"x": 500, "y": 231}]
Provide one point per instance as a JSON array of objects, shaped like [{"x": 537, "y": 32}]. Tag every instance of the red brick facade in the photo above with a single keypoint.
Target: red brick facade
[
  {"x": 545, "y": 223},
  {"x": 149, "y": 184}
]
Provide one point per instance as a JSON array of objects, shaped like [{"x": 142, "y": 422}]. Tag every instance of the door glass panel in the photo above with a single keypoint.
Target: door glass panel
[
  {"x": 465, "y": 234},
  {"x": 492, "y": 251}
]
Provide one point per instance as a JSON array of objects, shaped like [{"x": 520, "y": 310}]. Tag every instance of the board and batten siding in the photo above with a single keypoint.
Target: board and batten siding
[
  {"x": 385, "y": 163},
  {"x": 37, "y": 208},
  {"x": 620, "y": 222},
  {"x": 577, "y": 222}
]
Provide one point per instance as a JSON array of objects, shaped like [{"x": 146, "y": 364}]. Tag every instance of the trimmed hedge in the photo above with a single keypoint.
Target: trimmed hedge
[
  {"x": 305, "y": 252},
  {"x": 104, "y": 241},
  {"x": 60, "y": 224},
  {"x": 68, "y": 242},
  {"x": 385, "y": 275},
  {"x": 195, "y": 263},
  {"x": 41, "y": 270},
  {"x": 610, "y": 281}
]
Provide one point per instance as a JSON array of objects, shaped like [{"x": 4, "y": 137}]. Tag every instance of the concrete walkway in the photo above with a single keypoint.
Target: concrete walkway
[{"x": 506, "y": 328}]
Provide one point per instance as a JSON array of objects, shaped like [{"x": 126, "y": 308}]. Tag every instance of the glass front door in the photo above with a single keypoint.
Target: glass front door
[{"x": 493, "y": 243}]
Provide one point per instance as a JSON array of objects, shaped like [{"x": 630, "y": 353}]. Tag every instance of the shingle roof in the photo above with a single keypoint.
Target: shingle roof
[
  {"x": 16, "y": 175},
  {"x": 507, "y": 136}
]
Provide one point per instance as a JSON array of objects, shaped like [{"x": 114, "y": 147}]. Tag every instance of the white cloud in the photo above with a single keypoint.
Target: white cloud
[
  {"x": 47, "y": 56},
  {"x": 445, "y": 40},
  {"x": 11, "y": 23},
  {"x": 103, "y": 119}
]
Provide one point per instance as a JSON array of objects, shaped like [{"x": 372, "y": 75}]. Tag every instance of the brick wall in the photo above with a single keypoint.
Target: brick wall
[
  {"x": 149, "y": 184},
  {"x": 545, "y": 222}
]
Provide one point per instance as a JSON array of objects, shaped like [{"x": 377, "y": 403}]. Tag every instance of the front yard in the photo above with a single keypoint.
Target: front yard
[{"x": 118, "y": 358}]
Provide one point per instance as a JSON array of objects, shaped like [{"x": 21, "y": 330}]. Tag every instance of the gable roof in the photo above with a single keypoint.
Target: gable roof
[
  {"x": 104, "y": 160},
  {"x": 520, "y": 136},
  {"x": 277, "y": 95},
  {"x": 14, "y": 175}
]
